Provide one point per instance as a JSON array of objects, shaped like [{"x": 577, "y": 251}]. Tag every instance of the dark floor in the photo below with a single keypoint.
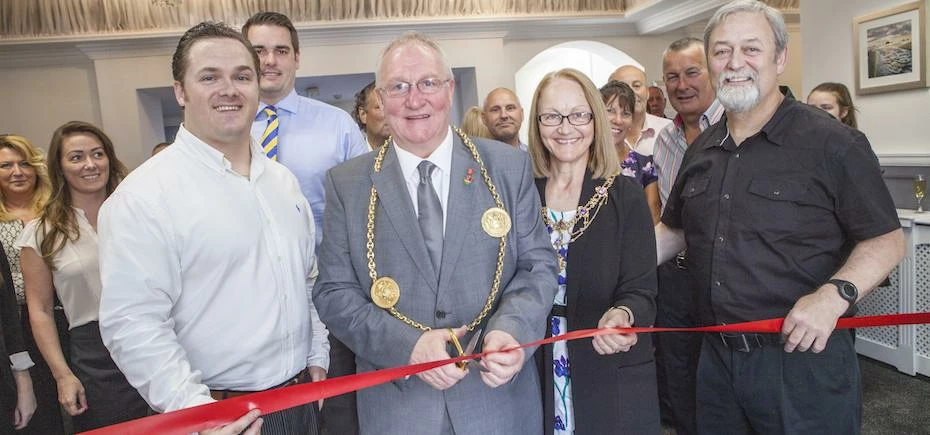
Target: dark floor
[{"x": 893, "y": 403}]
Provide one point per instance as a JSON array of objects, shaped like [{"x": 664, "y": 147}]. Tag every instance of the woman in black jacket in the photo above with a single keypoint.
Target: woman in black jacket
[{"x": 601, "y": 229}]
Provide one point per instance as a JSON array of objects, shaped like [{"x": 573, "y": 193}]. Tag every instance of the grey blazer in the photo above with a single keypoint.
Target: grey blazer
[{"x": 528, "y": 286}]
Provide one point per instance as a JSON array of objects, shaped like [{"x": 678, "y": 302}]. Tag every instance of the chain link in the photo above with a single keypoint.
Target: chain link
[{"x": 502, "y": 246}]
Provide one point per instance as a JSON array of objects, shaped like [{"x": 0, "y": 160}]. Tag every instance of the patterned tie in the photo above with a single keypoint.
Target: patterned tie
[
  {"x": 270, "y": 136},
  {"x": 430, "y": 214}
]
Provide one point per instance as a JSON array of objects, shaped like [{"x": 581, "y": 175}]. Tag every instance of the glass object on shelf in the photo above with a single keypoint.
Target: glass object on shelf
[{"x": 920, "y": 188}]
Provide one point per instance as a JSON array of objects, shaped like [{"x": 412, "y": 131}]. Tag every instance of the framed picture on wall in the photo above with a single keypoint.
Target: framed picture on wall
[{"x": 891, "y": 49}]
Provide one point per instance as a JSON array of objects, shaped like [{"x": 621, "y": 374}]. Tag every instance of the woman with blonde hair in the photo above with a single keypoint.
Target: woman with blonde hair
[
  {"x": 472, "y": 124},
  {"x": 59, "y": 255},
  {"x": 602, "y": 233},
  {"x": 24, "y": 190}
]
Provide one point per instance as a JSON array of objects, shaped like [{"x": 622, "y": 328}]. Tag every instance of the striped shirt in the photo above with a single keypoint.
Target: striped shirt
[{"x": 670, "y": 147}]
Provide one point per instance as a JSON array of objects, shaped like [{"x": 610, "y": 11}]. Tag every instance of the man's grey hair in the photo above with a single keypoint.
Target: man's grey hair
[
  {"x": 682, "y": 44},
  {"x": 772, "y": 15},
  {"x": 413, "y": 38}
]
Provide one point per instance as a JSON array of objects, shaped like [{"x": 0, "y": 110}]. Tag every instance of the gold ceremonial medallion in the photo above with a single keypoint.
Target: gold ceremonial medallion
[
  {"x": 385, "y": 292},
  {"x": 496, "y": 222}
]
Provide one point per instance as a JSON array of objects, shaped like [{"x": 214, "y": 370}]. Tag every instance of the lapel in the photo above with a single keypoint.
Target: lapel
[
  {"x": 394, "y": 199},
  {"x": 464, "y": 208}
]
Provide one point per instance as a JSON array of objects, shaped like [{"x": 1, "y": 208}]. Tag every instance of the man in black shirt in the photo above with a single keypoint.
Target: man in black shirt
[{"x": 765, "y": 201}]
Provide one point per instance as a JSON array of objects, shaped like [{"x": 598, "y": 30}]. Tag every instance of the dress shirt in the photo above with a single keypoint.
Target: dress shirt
[
  {"x": 75, "y": 270},
  {"x": 207, "y": 276},
  {"x": 652, "y": 125},
  {"x": 671, "y": 145},
  {"x": 442, "y": 158},
  {"x": 312, "y": 137}
]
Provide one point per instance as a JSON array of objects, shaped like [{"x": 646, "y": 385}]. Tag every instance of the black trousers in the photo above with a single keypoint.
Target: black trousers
[
  {"x": 110, "y": 398},
  {"x": 769, "y": 391},
  {"x": 340, "y": 413},
  {"x": 676, "y": 352},
  {"x": 299, "y": 420},
  {"x": 47, "y": 418}
]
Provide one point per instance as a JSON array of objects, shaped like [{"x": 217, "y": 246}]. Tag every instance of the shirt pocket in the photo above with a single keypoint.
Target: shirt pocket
[{"x": 777, "y": 202}]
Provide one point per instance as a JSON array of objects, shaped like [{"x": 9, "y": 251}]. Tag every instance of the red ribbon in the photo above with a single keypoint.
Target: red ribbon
[{"x": 216, "y": 414}]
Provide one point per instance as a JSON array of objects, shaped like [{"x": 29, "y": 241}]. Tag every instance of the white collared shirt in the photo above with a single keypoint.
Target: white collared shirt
[
  {"x": 75, "y": 269},
  {"x": 652, "y": 125},
  {"x": 442, "y": 158},
  {"x": 207, "y": 276}
]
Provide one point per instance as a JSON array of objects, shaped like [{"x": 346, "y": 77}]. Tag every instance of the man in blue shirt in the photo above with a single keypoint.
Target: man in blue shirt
[
  {"x": 308, "y": 137},
  {"x": 311, "y": 136}
]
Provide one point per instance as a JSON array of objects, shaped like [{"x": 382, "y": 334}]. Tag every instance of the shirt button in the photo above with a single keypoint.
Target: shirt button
[
  {"x": 440, "y": 314},
  {"x": 726, "y": 196},
  {"x": 720, "y": 239},
  {"x": 777, "y": 192},
  {"x": 717, "y": 283},
  {"x": 737, "y": 155}
]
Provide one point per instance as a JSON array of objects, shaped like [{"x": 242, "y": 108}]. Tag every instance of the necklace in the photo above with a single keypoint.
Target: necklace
[
  {"x": 384, "y": 290},
  {"x": 584, "y": 213}
]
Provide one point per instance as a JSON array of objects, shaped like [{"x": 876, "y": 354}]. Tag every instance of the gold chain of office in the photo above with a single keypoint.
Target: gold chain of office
[
  {"x": 370, "y": 245},
  {"x": 584, "y": 213}
]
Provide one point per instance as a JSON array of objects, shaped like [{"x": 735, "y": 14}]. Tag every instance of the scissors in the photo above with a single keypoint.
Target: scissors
[{"x": 469, "y": 349}]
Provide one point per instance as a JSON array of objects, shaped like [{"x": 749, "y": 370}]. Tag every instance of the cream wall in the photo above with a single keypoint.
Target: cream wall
[
  {"x": 892, "y": 121},
  {"x": 107, "y": 90},
  {"x": 37, "y": 100}
]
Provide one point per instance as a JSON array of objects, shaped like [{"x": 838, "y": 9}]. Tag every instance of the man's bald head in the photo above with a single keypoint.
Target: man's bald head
[
  {"x": 636, "y": 79},
  {"x": 503, "y": 115}
]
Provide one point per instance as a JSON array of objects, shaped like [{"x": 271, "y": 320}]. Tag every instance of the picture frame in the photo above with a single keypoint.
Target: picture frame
[{"x": 891, "y": 49}]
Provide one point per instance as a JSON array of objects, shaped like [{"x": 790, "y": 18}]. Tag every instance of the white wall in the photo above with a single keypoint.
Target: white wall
[{"x": 894, "y": 122}]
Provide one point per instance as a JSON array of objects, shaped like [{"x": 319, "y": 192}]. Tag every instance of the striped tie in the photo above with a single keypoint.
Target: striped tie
[{"x": 270, "y": 136}]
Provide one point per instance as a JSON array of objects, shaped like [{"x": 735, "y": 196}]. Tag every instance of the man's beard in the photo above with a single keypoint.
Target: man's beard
[{"x": 738, "y": 98}]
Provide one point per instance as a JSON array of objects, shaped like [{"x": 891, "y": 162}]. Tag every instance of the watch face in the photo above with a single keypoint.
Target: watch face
[{"x": 848, "y": 291}]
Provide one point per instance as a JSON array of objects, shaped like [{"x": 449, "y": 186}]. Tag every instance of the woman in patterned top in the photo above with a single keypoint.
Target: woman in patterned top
[
  {"x": 24, "y": 190},
  {"x": 619, "y": 99},
  {"x": 602, "y": 233}
]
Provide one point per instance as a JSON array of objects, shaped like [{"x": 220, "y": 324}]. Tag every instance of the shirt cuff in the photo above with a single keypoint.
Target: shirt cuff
[
  {"x": 319, "y": 361},
  {"x": 20, "y": 361}
]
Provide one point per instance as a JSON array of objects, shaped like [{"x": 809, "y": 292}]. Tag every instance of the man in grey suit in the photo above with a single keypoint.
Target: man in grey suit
[{"x": 433, "y": 232}]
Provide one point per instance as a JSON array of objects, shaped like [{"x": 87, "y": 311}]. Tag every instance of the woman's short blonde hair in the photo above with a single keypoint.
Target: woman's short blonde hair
[
  {"x": 472, "y": 124},
  {"x": 36, "y": 158},
  {"x": 602, "y": 157}
]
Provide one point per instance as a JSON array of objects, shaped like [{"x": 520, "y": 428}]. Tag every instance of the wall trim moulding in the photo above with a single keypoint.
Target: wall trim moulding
[{"x": 904, "y": 159}]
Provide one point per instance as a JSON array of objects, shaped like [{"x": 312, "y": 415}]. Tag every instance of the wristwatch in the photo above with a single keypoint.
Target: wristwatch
[{"x": 848, "y": 292}]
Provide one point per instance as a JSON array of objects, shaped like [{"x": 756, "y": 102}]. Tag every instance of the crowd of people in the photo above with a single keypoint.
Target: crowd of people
[{"x": 279, "y": 240}]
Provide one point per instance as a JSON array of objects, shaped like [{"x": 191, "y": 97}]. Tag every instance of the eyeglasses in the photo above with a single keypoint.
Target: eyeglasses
[
  {"x": 425, "y": 86},
  {"x": 574, "y": 118}
]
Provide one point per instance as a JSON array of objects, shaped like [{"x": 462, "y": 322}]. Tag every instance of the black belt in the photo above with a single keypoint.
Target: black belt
[
  {"x": 680, "y": 261},
  {"x": 748, "y": 342},
  {"x": 558, "y": 311}
]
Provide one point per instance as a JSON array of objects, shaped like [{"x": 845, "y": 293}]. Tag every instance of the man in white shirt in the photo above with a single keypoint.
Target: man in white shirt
[
  {"x": 207, "y": 252},
  {"x": 642, "y": 135}
]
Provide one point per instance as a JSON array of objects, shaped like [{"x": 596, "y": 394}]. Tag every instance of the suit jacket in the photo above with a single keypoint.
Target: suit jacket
[
  {"x": 528, "y": 285},
  {"x": 612, "y": 263}
]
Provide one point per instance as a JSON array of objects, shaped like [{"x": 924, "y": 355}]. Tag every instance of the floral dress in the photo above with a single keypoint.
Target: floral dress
[
  {"x": 639, "y": 168},
  {"x": 564, "y": 415}
]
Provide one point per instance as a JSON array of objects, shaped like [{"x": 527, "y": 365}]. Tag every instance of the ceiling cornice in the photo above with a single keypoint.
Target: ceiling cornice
[{"x": 653, "y": 18}]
